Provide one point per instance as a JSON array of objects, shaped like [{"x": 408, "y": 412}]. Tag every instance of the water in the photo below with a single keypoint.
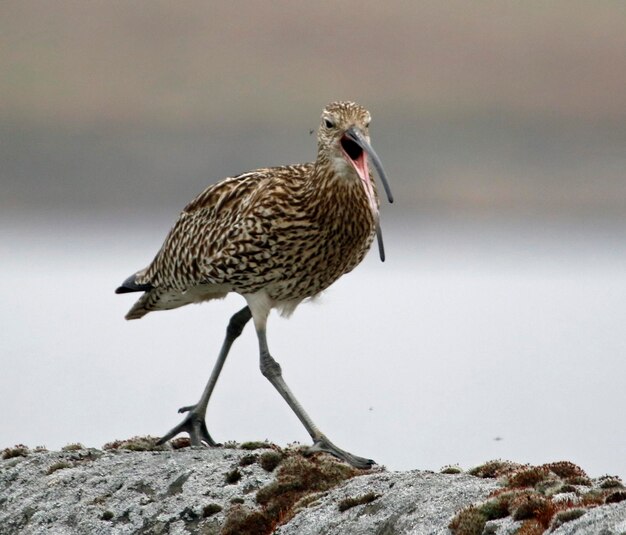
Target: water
[{"x": 475, "y": 340}]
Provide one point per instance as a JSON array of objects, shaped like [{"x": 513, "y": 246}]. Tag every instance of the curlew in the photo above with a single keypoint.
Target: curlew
[{"x": 276, "y": 236}]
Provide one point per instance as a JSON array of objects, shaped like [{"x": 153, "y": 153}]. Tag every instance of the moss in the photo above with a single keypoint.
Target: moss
[
  {"x": 298, "y": 476},
  {"x": 611, "y": 482},
  {"x": 593, "y": 497},
  {"x": 468, "y": 521},
  {"x": 584, "y": 481},
  {"x": 210, "y": 510},
  {"x": 566, "y": 469},
  {"x": 180, "y": 443},
  {"x": 244, "y": 521},
  {"x": 107, "y": 515},
  {"x": 566, "y": 516},
  {"x": 616, "y": 497},
  {"x": 530, "y": 527},
  {"x": 237, "y": 501},
  {"x": 349, "y": 503},
  {"x": 58, "y": 466},
  {"x": 493, "y": 469},
  {"x": 533, "y": 495},
  {"x": 451, "y": 469},
  {"x": 530, "y": 505},
  {"x": 255, "y": 445},
  {"x": 307, "y": 500},
  {"x": 247, "y": 460},
  {"x": 269, "y": 460},
  {"x": 233, "y": 476},
  {"x": 529, "y": 476},
  {"x": 19, "y": 450},
  {"x": 76, "y": 446},
  {"x": 495, "y": 508},
  {"x": 146, "y": 443}
]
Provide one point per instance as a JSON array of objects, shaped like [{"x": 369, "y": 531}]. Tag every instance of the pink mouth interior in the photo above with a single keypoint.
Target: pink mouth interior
[{"x": 362, "y": 169}]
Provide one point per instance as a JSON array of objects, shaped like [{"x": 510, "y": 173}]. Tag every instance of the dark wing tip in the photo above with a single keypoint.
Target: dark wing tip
[{"x": 130, "y": 285}]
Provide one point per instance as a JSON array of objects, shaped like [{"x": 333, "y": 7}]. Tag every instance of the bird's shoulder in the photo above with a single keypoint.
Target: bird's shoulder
[{"x": 249, "y": 188}]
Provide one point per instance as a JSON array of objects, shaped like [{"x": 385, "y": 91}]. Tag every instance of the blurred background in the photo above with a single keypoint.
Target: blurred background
[{"x": 495, "y": 329}]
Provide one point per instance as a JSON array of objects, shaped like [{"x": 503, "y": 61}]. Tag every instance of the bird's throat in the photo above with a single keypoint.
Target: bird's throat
[{"x": 362, "y": 169}]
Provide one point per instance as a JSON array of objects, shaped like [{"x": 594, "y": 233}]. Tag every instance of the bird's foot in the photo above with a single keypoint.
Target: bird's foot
[
  {"x": 194, "y": 425},
  {"x": 325, "y": 445}
]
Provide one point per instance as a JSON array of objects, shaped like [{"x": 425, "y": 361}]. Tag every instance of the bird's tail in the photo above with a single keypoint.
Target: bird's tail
[{"x": 139, "y": 309}]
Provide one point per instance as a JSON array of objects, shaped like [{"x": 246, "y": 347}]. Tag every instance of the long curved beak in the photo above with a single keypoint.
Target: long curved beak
[{"x": 357, "y": 136}]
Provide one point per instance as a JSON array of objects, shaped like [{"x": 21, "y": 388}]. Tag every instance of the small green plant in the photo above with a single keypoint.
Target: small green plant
[
  {"x": 210, "y": 510},
  {"x": 255, "y": 445},
  {"x": 495, "y": 508},
  {"x": 530, "y": 527},
  {"x": 565, "y": 469},
  {"x": 468, "y": 521},
  {"x": 493, "y": 469},
  {"x": 528, "y": 505},
  {"x": 533, "y": 495},
  {"x": 19, "y": 450},
  {"x": 451, "y": 469},
  {"x": 146, "y": 443},
  {"x": 107, "y": 515},
  {"x": 616, "y": 497},
  {"x": 245, "y": 521},
  {"x": 528, "y": 477},
  {"x": 269, "y": 460},
  {"x": 611, "y": 482},
  {"x": 247, "y": 460},
  {"x": 297, "y": 478},
  {"x": 566, "y": 516},
  {"x": 58, "y": 466},
  {"x": 76, "y": 446},
  {"x": 349, "y": 503},
  {"x": 233, "y": 476}
]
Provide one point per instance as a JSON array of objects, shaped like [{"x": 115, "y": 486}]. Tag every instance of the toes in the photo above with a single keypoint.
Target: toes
[{"x": 326, "y": 446}]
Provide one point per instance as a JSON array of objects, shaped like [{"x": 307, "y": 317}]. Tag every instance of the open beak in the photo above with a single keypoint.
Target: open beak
[
  {"x": 355, "y": 146},
  {"x": 355, "y": 135}
]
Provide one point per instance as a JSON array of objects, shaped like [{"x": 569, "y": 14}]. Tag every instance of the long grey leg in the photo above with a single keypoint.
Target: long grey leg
[
  {"x": 271, "y": 369},
  {"x": 194, "y": 422}
]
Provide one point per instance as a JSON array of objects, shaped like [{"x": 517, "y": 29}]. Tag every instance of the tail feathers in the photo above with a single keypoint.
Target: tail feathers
[
  {"x": 138, "y": 311},
  {"x": 131, "y": 285},
  {"x": 143, "y": 305},
  {"x": 159, "y": 299}
]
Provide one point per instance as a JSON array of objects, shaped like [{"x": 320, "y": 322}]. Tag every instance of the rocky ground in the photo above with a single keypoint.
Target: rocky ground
[{"x": 256, "y": 488}]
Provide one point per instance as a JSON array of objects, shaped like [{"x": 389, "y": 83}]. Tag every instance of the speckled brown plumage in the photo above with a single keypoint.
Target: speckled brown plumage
[{"x": 291, "y": 231}]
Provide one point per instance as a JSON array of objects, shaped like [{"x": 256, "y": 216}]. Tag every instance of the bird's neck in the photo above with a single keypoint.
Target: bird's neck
[{"x": 335, "y": 194}]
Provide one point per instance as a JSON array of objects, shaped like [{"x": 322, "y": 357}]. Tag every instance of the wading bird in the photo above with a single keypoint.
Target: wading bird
[{"x": 276, "y": 236}]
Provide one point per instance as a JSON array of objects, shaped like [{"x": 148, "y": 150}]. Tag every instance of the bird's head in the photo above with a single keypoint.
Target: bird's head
[{"x": 344, "y": 142}]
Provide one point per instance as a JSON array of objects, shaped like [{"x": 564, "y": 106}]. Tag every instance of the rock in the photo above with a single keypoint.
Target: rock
[
  {"x": 95, "y": 492},
  {"x": 410, "y": 502},
  {"x": 604, "y": 520},
  {"x": 187, "y": 491}
]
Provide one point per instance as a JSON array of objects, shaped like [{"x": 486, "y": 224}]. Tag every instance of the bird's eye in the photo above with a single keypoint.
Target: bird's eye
[{"x": 328, "y": 123}]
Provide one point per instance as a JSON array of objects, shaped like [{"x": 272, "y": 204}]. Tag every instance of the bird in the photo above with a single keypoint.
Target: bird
[{"x": 277, "y": 236}]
